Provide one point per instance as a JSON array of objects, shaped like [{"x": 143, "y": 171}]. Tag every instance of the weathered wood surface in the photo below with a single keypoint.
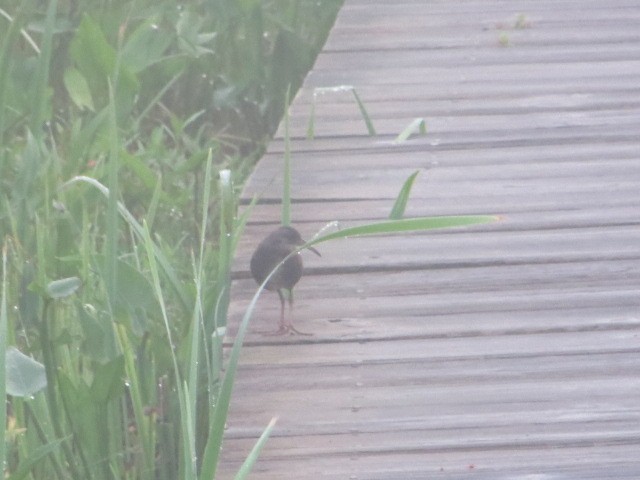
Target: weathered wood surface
[{"x": 507, "y": 351}]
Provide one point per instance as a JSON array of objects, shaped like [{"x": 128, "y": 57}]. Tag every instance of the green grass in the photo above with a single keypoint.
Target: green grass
[{"x": 125, "y": 130}]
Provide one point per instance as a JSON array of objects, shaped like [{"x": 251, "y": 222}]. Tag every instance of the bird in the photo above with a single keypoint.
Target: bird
[{"x": 272, "y": 250}]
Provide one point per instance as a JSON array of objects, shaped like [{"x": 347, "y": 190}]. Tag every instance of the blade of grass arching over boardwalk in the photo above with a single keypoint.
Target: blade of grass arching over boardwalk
[
  {"x": 212, "y": 450},
  {"x": 406, "y": 225}
]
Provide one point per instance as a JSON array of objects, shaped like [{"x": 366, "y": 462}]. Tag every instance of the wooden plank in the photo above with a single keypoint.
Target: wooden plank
[
  {"x": 535, "y": 213},
  {"x": 382, "y": 108},
  {"x": 414, "y": 155},
  {"x": 496, "y": 126},
  {"x": 485, "y": 182},
  {"x": 496, "y": 57},
  {"x": 502, "y": 351},
  {"x": 445, "y": 36},
  {"x": 515, "y": 72},
  {"x": 560, "y": 92},
  {"x": 528, "y": 179},
  {"x": 450, "y": 247}
]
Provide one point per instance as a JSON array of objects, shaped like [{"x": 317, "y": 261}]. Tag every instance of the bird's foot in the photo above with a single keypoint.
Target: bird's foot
[
  {"x": 294, "y": 331},
  {"x": 283, "y": 330},
  {"x": 287, "y": 330}
]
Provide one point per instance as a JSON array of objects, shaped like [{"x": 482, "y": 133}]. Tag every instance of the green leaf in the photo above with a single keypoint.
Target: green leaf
[
  {"x": 397, "y": 212},
  {"x": 108, "y": 380},
  {"x": 248, "y": 5},
  {"x": 92, "y": 53},
  {"x": 190, "y": 40},
  {"x": 97, "y": 333},
  {"x": 145, "y": 46},
  {"x": 406, "y": 225},
  {"x": 138, "y": 230},
  {"x": 140, "y": 168},
  {"x": 248, "y": 463},
  {"x": 85, "y": 414},
  {"x": 78, "y": 89},
  {"x": 25, "y": 376},
  {"x": 311, "y": 126},
  {"x": 97, "y": 62},
  {"x": 365, "y": 115},
  {"x": 36, "y": 455},
  {"x": 134, "y": 291},
  {"x": 417, "y": 125},
  {"x": 63, "y": 287}
]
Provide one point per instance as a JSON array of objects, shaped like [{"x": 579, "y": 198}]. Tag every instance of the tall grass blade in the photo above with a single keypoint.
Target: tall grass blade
[
  {"x": 156, "y": 100},
  {"x": 5, "y": 63},
  {"x": 311, "y": 125},
  {"x": 204, "y": 221},
  {"x": 112, "y": 231},
  {"x": 153, "y": 204},
  {"x": 199, "y": 367},
  {"x": 40, "y": 93},
  {"x": 400, "y": 205},
  {"x": 35, "y": 457},
  {"x": 3, "y": 353},
  {"x": 225, "y": 254},
  {"x": 139, "y": 231},
  {"x": 186, "y": 415},
  {"x": 340, "y": 88},
  {"x": 216, "y": 433},
  {"x": 250, "y": 461},
  {"x": 365, "y": 115},
  {"x": 286, "y": 193},
  {"x": 137, "y": 403},
  {"x": 197, "y": 401},
  {"x": 242, "y": 220}
]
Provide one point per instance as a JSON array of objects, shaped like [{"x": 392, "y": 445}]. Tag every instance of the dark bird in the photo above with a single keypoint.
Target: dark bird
[{"x": 270, "y": 252}]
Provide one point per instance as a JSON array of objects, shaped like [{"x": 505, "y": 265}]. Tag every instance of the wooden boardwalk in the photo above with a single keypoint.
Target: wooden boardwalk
[{"x": 507, "y": 351}]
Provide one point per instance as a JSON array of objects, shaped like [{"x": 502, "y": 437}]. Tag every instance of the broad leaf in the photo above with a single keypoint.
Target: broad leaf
[
  {"x": 63, "y": 287},
  {"x": 25, "y": 376},
  {"x": 78, "y": 89}
]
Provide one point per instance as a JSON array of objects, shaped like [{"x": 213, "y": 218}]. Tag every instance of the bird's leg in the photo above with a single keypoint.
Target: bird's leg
[
  {"x": 282, "y": 328},
  {"x": 289, "y": 325}
]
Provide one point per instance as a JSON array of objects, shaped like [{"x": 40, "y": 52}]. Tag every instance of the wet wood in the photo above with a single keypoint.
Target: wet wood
[{"x": 504, "y": 351}]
